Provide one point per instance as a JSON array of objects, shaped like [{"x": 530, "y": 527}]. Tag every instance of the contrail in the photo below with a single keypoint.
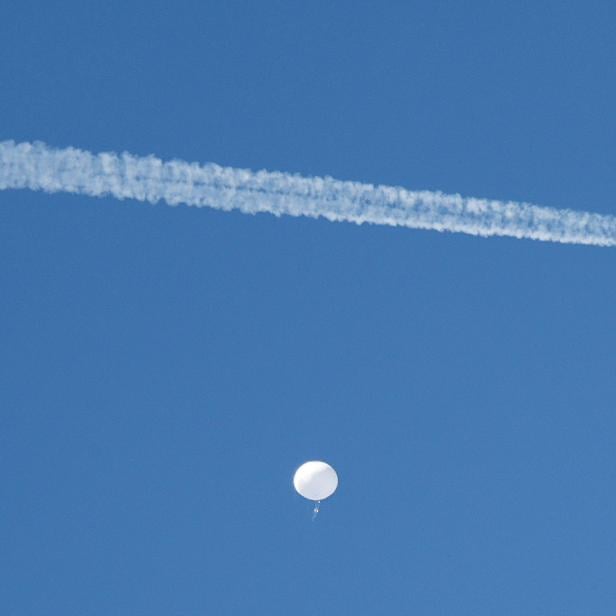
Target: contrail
[{"x": 39, "y": 167}]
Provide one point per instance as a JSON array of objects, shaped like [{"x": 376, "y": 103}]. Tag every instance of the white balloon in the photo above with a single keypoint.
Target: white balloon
[{"x": 315, "y": 480}]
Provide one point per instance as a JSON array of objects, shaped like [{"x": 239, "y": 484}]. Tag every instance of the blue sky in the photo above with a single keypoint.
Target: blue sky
[{"x": 164, "y": 370}]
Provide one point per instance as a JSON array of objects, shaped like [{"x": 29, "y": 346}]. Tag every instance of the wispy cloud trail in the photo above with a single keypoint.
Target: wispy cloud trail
[{"x": 39, "y": 167}]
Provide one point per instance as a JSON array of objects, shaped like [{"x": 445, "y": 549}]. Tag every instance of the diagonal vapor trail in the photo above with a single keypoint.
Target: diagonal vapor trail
[{"x": 39, "y": 167}]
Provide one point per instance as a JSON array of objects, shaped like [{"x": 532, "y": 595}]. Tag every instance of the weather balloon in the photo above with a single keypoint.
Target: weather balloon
[{"x": 315, "y": 481}]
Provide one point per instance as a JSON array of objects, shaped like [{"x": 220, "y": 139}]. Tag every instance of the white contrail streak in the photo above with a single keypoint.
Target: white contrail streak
[{"x": 39, "y": 167}]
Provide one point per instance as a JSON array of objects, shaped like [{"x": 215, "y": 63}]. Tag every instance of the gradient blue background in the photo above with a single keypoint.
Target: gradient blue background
[{"x": 163, "y": 371}]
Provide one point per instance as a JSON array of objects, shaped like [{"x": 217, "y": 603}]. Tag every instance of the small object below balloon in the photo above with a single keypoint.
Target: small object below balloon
[{"x": 315, "y": 511}]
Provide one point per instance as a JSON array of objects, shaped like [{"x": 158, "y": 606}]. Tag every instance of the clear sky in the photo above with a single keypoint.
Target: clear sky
[{"x": 165, "y": 370}]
